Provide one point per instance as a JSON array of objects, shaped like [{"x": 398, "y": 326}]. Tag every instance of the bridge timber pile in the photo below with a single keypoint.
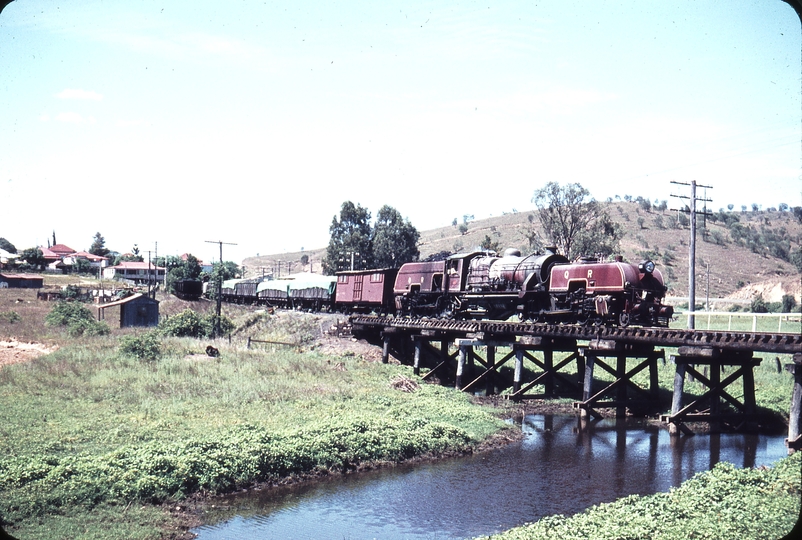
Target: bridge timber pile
[{"x": 415, "y": 341}]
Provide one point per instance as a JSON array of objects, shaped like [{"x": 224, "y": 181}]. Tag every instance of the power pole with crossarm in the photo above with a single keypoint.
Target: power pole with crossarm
[{"x": 219, "y": 285}]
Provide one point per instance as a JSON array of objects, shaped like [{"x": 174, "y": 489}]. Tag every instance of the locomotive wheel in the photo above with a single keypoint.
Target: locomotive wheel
[{"x": 623, "y": 319}]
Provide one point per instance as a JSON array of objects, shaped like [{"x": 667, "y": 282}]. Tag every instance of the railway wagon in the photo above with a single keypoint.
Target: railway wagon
[
  {"x": 365, "y": 291},
  {"x": 312, "y": 291},
  {"x": 274, "y": 293},
  {"x": 188, "y": 289}
]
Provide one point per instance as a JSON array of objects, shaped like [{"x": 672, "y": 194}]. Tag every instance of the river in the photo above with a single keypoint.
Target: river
[{"x": 560, "y": 467}]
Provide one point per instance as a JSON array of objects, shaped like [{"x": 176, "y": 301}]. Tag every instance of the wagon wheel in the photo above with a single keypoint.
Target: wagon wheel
[{"x": 623, "y": 319}]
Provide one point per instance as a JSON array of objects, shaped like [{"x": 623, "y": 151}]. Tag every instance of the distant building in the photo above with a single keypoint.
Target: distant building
[
  {"x": 136, "y": 310},
  {"x": 138, "y": 272},
  {"x": 21, "y": 281},
  {"x": 7, "y": 259},
  {"x": 95, "y": 261}
]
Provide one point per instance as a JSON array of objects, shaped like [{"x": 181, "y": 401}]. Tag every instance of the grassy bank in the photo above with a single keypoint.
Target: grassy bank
[
  {"x": 93, "y": 441},
  {"x": 724, "y": 503}
]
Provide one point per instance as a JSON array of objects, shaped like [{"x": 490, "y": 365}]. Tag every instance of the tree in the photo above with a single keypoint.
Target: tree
[
  {"x": 394, "y": 239},
  {"x": 34, "y": 257},
  {"x": 350, "y": 240},
  {"x": 7, "y": 246},
  {"x": 82, "y": 266},
  {"x": 178, "y": 269},
  {"x": 99, "y": 246},
  {"x": 134, "y": 256},
  {"x": 574, "y": 222},
  {"x": 489, "y": 245}
]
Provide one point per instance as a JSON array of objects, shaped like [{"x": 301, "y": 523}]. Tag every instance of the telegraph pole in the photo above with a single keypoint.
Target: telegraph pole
[
  {"x": 219, "y": 285},
  {"x": 692, "y": 249}
]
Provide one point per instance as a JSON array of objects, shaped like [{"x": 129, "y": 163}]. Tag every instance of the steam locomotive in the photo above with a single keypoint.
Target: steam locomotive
[
  {"x": 542, "y": 287},
  {"x": 480, "y": 285}
]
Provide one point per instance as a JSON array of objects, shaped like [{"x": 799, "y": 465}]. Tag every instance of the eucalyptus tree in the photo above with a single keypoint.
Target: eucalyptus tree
[
  {"x": 350, "y": 243},
  {"x": 574, "y": 222},
  {"x": 394, "y": 239}
]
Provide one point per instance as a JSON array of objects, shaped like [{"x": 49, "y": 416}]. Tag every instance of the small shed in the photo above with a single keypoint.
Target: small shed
[
  {"x": 136, "y": 310},
  {"x": 21, "y": 281}
]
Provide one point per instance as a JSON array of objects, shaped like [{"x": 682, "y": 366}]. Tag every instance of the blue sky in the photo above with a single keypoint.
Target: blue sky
[{"x": 180, "y": 122}]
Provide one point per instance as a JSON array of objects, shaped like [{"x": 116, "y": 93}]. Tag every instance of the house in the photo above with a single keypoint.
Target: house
[
  {"x": 138, "y": 272},
  {"x": 53, "y": 255},
  {"x": 136, "y": 310},
  {"x": 21, "y": 281},
  {"x": 7, "y": 259},
  {"x": 95, "y": 261}
]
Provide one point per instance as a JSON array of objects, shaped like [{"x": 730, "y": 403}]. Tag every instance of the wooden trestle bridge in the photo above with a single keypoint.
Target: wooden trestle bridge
[{"x": 716, "y": 359}]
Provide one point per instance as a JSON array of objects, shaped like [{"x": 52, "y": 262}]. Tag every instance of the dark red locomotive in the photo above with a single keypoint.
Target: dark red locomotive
[{"x": 542, "y": 287}]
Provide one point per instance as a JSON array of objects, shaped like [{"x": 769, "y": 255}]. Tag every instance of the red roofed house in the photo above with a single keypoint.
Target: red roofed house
[
  {"x": 63, "y": 258},
  {"x": 53, "y": 255}
]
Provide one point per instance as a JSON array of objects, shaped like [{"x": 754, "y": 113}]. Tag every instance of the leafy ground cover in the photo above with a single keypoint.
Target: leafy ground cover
[{"x": 723, "y": 503}]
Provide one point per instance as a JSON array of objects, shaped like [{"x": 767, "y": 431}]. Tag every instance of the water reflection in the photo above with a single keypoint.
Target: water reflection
[{"x": 563, "y": 465}]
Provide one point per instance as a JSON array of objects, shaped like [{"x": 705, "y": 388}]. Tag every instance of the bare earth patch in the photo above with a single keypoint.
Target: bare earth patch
[{"x": 14, "y": 352}]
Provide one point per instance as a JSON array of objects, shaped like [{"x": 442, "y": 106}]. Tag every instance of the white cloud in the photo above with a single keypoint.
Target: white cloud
[
  {"x": 44, "y": 117},
  {"x": 74, "y": 93}
]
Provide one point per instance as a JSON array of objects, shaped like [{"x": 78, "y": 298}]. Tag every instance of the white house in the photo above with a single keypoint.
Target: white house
[{"x": 139, "y": 272}]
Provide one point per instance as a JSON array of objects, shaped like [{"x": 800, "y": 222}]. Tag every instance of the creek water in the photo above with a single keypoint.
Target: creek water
[{"x": 562, "y": 466}]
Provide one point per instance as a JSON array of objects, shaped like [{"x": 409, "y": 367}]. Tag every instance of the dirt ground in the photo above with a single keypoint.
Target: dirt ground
[{"x": 14, "y": 352}]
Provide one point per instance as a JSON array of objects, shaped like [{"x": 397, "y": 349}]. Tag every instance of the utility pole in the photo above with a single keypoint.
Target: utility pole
[
  {"x": 692, "y": 249},
  {"x": 219, "y": 285}
]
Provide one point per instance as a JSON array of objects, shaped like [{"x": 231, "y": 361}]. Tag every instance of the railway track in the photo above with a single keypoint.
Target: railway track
[{"x": 661, "y": 337}]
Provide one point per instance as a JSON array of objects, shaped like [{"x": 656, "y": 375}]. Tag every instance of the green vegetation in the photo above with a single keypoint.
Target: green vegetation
[
  {"x": 77, "y": 318},
  {"x": 10, "y": 317},
  {"x": 190, "y": 323},
  {"x": 95, "y": 437},
  {"x": 355, "y": 245},
  {"x": 574, "y": 222},
  {"x": 725, "y": 502},
  {"x": 145, "y": 346}
]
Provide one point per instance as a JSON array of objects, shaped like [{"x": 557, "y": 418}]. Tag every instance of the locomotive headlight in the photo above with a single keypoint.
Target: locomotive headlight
[{"x": 647, "y": 267}]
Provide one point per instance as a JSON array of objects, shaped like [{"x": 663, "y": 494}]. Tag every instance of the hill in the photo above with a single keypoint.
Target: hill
[{"x": 737, "y": 251}]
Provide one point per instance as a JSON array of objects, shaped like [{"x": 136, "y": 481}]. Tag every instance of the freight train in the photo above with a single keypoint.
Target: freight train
[{"x": 544, "y": 287}]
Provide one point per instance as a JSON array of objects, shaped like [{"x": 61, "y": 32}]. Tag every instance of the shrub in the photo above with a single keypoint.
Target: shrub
[
  {"x": 143, "y": 346},
  {"x": 759, "y": 305},
  {"x": 788, "y": 303},
  {"x": 77, "y": 318},
  {"x": 10, "y": 317},
  {"x": 189, "y": 323}
]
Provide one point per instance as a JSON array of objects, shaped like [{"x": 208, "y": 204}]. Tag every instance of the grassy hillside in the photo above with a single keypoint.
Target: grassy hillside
[{"x": 728, "y": 247}]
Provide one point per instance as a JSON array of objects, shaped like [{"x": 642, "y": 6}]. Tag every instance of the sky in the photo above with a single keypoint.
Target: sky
[{"x": 172, "y": 124}]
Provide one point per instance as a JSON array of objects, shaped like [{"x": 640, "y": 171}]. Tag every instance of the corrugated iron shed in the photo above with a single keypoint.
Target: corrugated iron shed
[
  {"x": 21, "y": 281},
  {"x": 136, "y": 310}
]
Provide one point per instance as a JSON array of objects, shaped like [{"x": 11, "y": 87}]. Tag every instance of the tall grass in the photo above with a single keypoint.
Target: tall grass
[{"x": 88, "y": 427}]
